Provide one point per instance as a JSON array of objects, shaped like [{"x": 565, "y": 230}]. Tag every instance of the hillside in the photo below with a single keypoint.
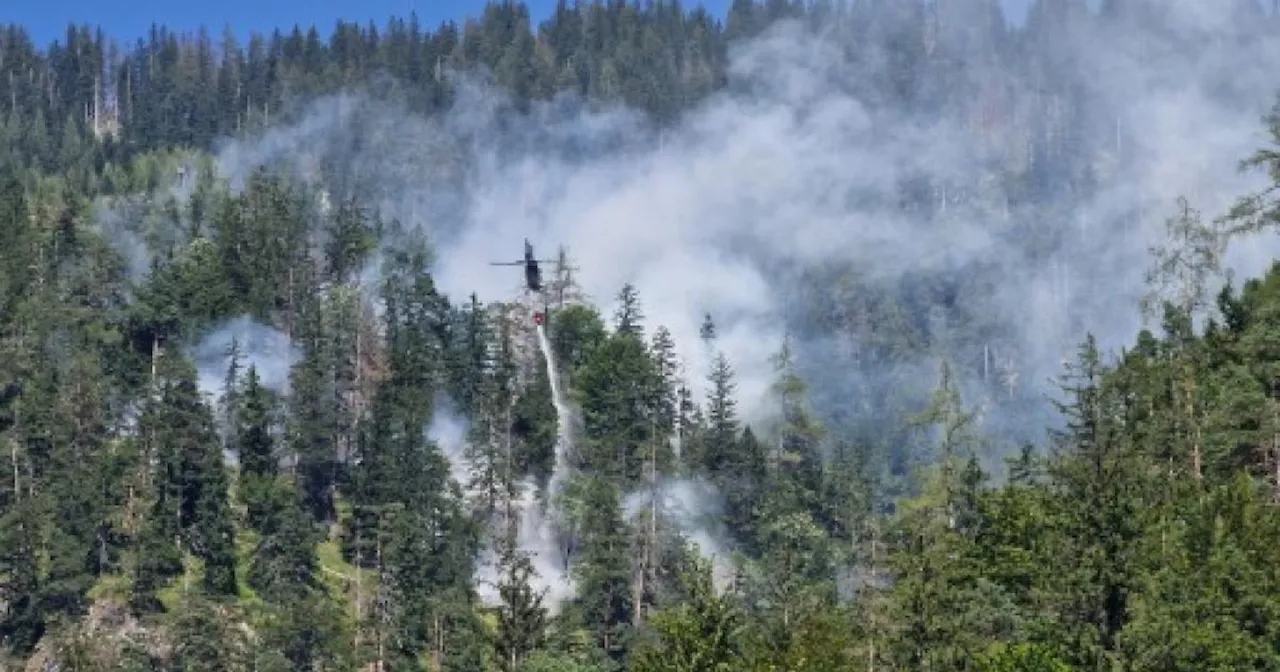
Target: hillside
[{"x": 870, "y": 335}]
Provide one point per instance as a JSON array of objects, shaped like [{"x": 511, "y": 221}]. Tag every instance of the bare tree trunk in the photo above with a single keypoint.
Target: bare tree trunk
[
  {"x": 17, "y": 479},
  {"x": 378, "y": 622},
  {"x": 149, "y": 457},
  {"x": 359, "y": 627},
  {"x": 1196, "y": 458},
  {"x": 437, "y": 645},
  {"x": 1275, "y": 445},
  {"x": 871, "y": 640},
  {"x": 650, "y": 536},
  {"x": 155, "y": 355}
]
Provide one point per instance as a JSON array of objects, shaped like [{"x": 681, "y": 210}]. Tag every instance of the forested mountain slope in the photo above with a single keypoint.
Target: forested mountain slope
[{"x": 878, "y": 335}]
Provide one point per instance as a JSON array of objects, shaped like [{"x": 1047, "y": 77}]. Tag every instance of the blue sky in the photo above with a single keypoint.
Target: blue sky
[{"x": 127, "y": 20}]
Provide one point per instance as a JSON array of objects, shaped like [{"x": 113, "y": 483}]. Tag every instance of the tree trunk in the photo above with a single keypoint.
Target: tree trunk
[
  {"x": 437, "y": 645},
  {"x": 382, "y": 583},
  {"x": 355, "y": 643},
  {"x": 17, "y": 478},
  {"x": 1196, "y": 457}
]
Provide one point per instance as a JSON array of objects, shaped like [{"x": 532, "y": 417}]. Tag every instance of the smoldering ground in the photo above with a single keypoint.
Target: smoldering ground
[{"x": 992, "y": 218}]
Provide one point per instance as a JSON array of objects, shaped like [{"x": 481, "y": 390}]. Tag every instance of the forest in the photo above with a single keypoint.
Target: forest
[{"x": 872, "y": 335}]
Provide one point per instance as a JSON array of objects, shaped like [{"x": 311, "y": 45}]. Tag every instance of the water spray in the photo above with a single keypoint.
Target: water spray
[{"x": 563, "y": 433}]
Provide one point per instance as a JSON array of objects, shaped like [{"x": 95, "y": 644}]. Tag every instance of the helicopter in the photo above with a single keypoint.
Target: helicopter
[{"x": 532, "y": 276}]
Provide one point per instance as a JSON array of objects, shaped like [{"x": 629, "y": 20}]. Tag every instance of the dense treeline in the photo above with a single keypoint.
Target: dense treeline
[
  {"x": 181, "y": 90},
  {"x": 316, "y": 525}
]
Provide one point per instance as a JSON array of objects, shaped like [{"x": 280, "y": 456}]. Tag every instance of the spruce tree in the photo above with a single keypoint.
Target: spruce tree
[
  {"x": 522, "y": 619},
  {"x": 719, "y": 442},
  {"x": 259, "y": 463},
  {"x": 22, "y": 624},
  {"x": 190, "y": 502},
  {"x": 628, "y": 319},
  {"x": 603, "y": 571},
  {"x": 284, "y": 563},
  {"x": 1101, "y": 482}
]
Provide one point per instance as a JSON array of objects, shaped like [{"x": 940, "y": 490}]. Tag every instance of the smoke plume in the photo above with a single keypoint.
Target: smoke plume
[
  {"x": 266, "y": 349},
  {"x": 449, "y": 432},
  {"x": 1007, "y": 206},
  {"x": 695, "y": 509}
]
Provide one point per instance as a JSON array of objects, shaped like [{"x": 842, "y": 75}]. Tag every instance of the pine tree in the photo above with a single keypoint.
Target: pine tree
[
  {"x": 522, "y": 619},
  {"x": 284, "y": 563},
  {"x": 1099, "y": 481},
  {"x": 603, "y": 570},
  {"x": 313, "y": 411},
  {"x": 76, "y": 552},
  {"x": 470, "y": 355},
  {"x": 703, "y": 633},
  {"x": 707, "y": 332},
  {"x": 535, "y": 426},
  {"x": 350, "y": 240},
  {"x": 666, "y": 379},
  {"x": 259, "y": 463},
  {"x": 23, "y": 621},
  {"x": 722, "y": 420},
  {"x": 229, "y": 402},
  {"x": 628, "y": 319},
  {"x": 490, "y": 450},
  {"x": 616, "y": 387},
  {"x": 744, "y": 485},
  {"x": 799, "y": 455},
  {"x": 190, "y": 503}
]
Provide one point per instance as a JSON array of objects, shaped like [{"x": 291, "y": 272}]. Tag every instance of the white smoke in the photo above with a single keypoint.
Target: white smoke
[
  {"x": 790, "y": 167},
  {"x": 693, "y": 507},
  {"x": 449, "y": 432},
  {"x": 795, "y": 166},
  {"x": 539, "y": 538},
  {"x": 265, "y": 348},
  {"x": 137, "y": 225}
]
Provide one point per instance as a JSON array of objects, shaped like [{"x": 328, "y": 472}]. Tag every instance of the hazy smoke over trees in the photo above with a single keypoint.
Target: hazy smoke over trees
[{"x": 986, "y": 201}]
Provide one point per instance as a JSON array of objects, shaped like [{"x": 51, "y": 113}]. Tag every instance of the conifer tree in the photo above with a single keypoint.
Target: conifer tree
[
  {"x": 615, "y": 388},
  {"x": 284, "y": 562},
  {"x": 628, "y": 319},
  {"x": 351, "y": 238},
  {"x": 1100, "y": 482},
  {"x": 229, "y": 401},
  {"x": 799, "y": 445},
  {"x": 76, "y": 551},
  {"x": 603, "y": 571},
  {"x": 703, "y": 633},
  {"x": 259, "y": 463},
  {"x": 490, "y": 449},
  {"x": 722, "y": 420},
  {"x": 470, "y": 355},
  {"x": 313, "y": 411},
  {"x": 522, "y": 619},
  {"x": 23, "y": 621},
  {"x": 190, "y": 503},
  {"x": 707, "y": 331}
]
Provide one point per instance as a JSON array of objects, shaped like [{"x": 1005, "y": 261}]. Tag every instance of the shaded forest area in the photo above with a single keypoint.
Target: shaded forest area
[{"x": 304, "y": 510}]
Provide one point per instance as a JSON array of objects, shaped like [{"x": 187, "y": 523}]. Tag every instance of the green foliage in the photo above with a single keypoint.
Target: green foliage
[
  {"x": 613, "y": 388},
  {"x": 1000, "y": 657},
  {"x": 603, "y": 572},
  {"x": 700, "y": 635},
  {"x": 1142, "y": 539},
  {"x": 575, "y": 333},
  {"x": 522, "y": 619},
  {"x": 546, "y": 661}
]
